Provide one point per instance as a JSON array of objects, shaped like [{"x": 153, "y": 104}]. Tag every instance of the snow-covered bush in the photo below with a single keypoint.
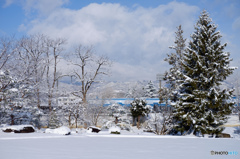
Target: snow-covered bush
[
  {"x": 108, "y": 124},
  {"x": 63, "y": 130},
  {"x": 123, "y": 124},
  {"x": 93, "y": 129},
  {"x": 114, "y": 130},
  {"x": 116, "y": 111},
  {"x": 19, "y": 129},
  {"x": 74, "y": 113},
  {"x": 160, "y": 123}
]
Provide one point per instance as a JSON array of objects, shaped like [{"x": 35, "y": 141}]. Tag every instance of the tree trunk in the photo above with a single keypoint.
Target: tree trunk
[
  {"x": 38, "y": 98},
  {"x": 116, "y": 120},
  {"x": 85, "y": 125},
  {"x": 69, "y": 119},
  {"x": 133, "y": 122},
  {"x": 50, "y": 103},
  {"x": 156, "y": 129},
  {"x": 12, "y": 119},
  {"x": 39, "y": 125},
  {"x": 138, "y": 123},
  {"x": 76, "y": 123},
  {"x": 84, "y": 99}
]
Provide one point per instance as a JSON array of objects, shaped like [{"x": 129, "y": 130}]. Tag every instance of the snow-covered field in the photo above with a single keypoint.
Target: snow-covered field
[{"x": 109, "y": 146}]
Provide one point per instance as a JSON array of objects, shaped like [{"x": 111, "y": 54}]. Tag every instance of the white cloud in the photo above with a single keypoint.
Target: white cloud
[
  {"x": 8, "y": 3},
  {"x": 137, "y": 39},
  {"x": 42, "y": 7},
  {"x": 128, "y": 72},
  {"x": 236, "y": 24}
]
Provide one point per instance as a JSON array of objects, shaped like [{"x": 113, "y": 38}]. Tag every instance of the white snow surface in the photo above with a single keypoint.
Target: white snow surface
[
  {"x": 103, "y": 145},
  {"x": 107, "y": 146}
]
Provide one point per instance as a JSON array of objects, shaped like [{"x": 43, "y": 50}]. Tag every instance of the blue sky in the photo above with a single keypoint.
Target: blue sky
[{"x": 136, "y": 34}]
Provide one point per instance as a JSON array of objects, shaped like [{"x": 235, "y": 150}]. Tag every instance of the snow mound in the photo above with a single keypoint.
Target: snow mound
[
  {"x": 3, "y": 125},
  {"x": 63, "y": 130},
  {"x": 93, "y": 129},
  {"x": 114, "y": 130},
  {"x": 89, "y": 130},
  {"x": 17, "y": 127},
  {"x": 233, "y": 131}
]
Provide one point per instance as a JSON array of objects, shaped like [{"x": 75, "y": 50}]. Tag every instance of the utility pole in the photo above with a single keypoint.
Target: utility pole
[{"x": 160, "y": 77}]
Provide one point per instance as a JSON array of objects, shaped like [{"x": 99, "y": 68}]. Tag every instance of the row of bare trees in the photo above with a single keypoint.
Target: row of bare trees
[
  {"x": 35, "y": 62},
  {"x": 36, "y": 65}
]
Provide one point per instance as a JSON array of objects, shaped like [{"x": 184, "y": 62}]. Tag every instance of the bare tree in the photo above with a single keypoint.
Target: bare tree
[
  {"x": 89, "y": 68},
  {"x": 160, "y": 123},
  {"x": 54, "y": 50},
  {"x": 135, "y": 90},
  {"x": 32, "y": 55},
  {"x": 76, "y": 112},
  {"x": 7, "y": 49}
]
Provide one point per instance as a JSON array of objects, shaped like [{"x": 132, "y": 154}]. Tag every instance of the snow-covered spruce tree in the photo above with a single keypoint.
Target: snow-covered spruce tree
[
  {"x": 36, "y": 116},
  {"x": 175, "y": 60},
  {"x": 54, "y": 120},
  {"x": 8, "y": 93},
  {"x": 203, "y": 106},
  {"x": 150, "y": 91},
  {"x": 139, "y": 108},
  {"x": 116, "y": 110}
]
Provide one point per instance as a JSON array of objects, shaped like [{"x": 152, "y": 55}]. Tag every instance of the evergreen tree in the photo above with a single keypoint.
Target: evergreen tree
[
  {"x": 175, "y": 60},
  {"x": 7, "y": 94},
  {"x": 139, "y": 108},
  {"x": 150, "y": 91},
  {"x": 54, "y": 120},
  {"x": 116, "y": 110},
  {"x": 203, "y": 106}
]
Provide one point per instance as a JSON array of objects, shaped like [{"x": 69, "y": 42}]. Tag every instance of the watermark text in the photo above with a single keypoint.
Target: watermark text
[{"x": 224, "y": 153}]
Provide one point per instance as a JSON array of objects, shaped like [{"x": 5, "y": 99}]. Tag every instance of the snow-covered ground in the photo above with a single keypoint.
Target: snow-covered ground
[
  {"x": 103, "y": 145},
  {"x": 233, "y": 120}
]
